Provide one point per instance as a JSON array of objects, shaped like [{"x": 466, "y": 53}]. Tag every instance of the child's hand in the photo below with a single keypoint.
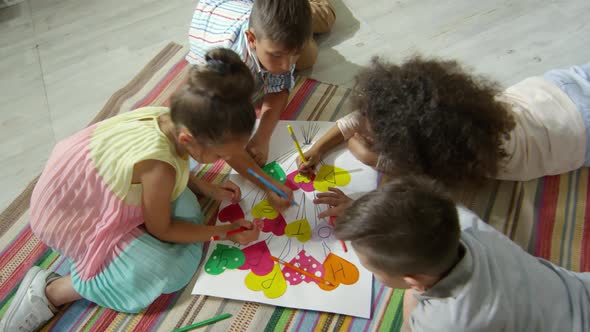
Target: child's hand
[
  {"x": 277, "y": 202},
  {"x": 336, "y": 199},
  {"x": 313, "y": 157},
  {"x": 258, "y": 150},
  {"x": 361, "y": 150},
  {"x": 244, "y": 237},
  {"x": 226, "y": 190}
]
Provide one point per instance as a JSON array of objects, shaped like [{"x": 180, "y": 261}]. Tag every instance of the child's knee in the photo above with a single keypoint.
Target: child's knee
[
  {"x": 186, "y": 207},
  {"x": 323, "y": 16}
]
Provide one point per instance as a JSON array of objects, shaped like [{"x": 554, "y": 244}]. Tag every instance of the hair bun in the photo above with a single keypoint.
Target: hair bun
[
  {"x": 224, "y": 76},
  {"x": 218, "y": 66}
]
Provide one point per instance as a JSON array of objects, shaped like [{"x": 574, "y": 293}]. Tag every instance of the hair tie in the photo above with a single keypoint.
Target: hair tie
[{"x": 218, "y": 66}]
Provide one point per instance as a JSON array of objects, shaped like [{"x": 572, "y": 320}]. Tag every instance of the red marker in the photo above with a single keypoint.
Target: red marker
[
  {"x": 333, "y": 222},
  {"x": 235, "y": 231}
]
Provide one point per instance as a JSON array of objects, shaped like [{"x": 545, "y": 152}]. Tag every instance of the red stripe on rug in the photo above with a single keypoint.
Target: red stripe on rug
[
  {"x": 152, "y": 314},
  {"x": 103, "y": 321},
  {"x": 585, "y": 255},
  {"x": 13, "y": 248},
  {"x": 293, "y": 107},
  {"x": 22, "y": 269},
  {"x": 547, "y": 216},
  {"x": 162, "y": 84}
]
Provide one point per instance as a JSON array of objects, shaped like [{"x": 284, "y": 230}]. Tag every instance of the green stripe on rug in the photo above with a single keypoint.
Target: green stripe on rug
[
  {"x": 274, "y": 319},
  {"x": 93, "y": 319},
  {"x": 393, "y": 316},
  {"x": 284, "y": 320}
]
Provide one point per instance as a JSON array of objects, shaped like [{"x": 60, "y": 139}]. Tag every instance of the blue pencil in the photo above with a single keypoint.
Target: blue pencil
[{"x": 270, "y": 185}]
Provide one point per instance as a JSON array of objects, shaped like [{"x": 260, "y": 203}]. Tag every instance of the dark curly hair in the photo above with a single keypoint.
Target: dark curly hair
[{"x": 431, "y": 117}]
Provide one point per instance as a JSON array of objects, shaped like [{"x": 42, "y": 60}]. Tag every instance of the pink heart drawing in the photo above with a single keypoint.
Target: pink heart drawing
[
  {"x": 258, "y": 259},
  {"x": 306, "y": 263},
  {"x": 231, "y": 213},
  {"x": 275, "y": 226},
  {"x": 295, "y": 182}
]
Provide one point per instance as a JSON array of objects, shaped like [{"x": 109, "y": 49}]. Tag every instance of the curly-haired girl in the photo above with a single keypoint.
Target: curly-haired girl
[{"x": 432, "y": 117}]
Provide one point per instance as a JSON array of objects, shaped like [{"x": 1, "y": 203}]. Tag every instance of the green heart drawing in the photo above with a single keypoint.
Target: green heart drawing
[
  {"x": 224, "y": 257},
  {"x": 275, "y": 171}
]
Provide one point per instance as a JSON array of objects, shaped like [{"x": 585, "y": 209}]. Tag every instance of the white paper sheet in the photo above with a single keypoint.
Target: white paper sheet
[{"x": 354, "y": 299}]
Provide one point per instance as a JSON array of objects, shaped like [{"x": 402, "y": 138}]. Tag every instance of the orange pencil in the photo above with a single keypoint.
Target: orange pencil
[{"x": 305, "y": 273}]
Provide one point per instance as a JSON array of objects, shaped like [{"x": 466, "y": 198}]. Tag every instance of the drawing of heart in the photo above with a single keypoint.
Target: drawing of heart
[
  {"x": 264, "y": 210},
  {"x": 331, "y": 176},
  {"x": 224, "y": 257},
  {"x": 275, "y": 226},
  {"x": 257, "y": 259},
  {"x": 273, "y": 285},
  {"x": 296, "y": 181},
  {"x": 299, "y": 229},
  {"x": 275, "y": 171},
  {"x": 306, "y": 263},
  {"x": 338, "y": 271},
  {"x": 323, "y": 231},
  {"x": 231, "y": 213}
]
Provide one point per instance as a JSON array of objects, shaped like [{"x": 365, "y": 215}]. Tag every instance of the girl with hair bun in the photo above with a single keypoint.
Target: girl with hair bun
[{"x": 113, "y": 198}]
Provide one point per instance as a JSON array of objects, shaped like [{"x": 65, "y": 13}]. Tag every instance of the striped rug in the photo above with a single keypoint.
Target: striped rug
[{"x": 546, "y": 217}]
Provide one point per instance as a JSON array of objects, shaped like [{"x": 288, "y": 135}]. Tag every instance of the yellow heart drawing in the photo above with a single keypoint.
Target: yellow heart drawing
[
  {"x": 301, "y": 178},
  {"x": 273, "y": 285},
  {"x": 331, "y": 176},
  {"x": 299, "y": 229},
  {"x": 264, "y": 210}
]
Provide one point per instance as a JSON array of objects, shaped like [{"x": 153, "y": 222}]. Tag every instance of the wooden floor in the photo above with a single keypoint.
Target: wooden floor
[{"x": 60, "y": 60}]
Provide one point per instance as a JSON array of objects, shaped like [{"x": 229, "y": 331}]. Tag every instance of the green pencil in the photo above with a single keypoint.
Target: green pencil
[{"x": 203, "y": 323}]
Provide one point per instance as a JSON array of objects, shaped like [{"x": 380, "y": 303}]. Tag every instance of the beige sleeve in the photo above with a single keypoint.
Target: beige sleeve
[
  {"x": 323, "y": 15},
  {"x": 350, "y": 124}
]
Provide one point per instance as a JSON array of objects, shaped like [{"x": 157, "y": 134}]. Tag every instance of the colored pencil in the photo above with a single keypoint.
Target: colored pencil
[
  {"x": 270, "y": 185},
  {"x": 235, "y": 231},
  {"x": 297, "y": 146},
  {"x": 305, "y": 273},
  {"x": 203, "y": 323}
]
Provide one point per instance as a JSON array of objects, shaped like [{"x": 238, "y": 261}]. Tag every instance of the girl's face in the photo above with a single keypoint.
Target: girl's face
[{"x": 208, "y": 153}]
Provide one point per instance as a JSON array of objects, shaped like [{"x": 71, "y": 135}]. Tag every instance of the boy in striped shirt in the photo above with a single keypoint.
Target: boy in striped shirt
[{"x": 272, "y": 38}]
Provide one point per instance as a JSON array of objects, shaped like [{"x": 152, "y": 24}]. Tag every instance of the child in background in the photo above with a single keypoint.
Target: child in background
[
  {"x": 113, "y": 198},
  {"x": 459, "y": 273},
  {"x": 431, "y": 117},
  {"x": 272, "y": 38}
]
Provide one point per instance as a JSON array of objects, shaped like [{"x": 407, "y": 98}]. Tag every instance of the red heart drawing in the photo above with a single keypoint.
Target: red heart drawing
[
  {"x": 231, "y": 213},
  {"x": 276, "y": 225},
  {"x": 258, "y": 259}
]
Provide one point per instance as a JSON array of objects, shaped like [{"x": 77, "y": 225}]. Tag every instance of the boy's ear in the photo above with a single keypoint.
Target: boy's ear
[
  {"x": 251, "y": 38},
  {"x": 184, "y": 137},
  {"x": 415, "y": 283}
]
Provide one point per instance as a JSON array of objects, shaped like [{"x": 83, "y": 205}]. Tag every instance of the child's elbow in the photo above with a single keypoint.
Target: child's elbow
[
  {"x": 366, "y": 157},
  {"x": 160, "y": 232}
]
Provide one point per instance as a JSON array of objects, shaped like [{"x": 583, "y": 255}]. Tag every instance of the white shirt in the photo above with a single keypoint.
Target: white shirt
[
  {"x": 550, "y": 135},
  {"x": 497, "y": 286}
]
